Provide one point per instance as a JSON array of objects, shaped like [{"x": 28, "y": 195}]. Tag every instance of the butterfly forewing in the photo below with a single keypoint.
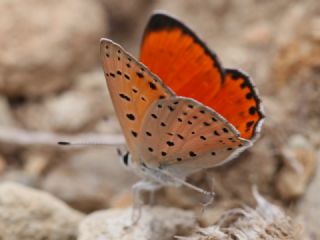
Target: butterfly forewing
[
  {"x": 175, "y": 53},
  {"x": 133, "y": 89},
  {"x": 182, "y": 133}
]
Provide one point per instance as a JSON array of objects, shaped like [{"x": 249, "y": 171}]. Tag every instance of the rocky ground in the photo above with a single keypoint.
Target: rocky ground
[{"x": 52, "y": 88}]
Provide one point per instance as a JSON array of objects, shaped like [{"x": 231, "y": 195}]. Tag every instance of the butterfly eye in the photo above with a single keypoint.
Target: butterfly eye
[{"x": 125, "y": 159}]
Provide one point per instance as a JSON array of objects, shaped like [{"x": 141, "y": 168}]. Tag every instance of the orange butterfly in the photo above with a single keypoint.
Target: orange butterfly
[{"x": 179, "y": 109}]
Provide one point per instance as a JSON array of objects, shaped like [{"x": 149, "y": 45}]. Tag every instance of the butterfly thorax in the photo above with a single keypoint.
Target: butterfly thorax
[{"x": 149, "y": 173}]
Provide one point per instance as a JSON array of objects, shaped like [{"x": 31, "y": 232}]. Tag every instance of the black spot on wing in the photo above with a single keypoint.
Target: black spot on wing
[
  {"x": 203, "y": 138},
  {"x": 171, "y": 108},
  {"x": 252, "y": 110},
  {"x": 249, "y": 95},
  {"x": 170, "y": 144},
  {"x": 249, "y": 124},
  {"x": 127, "y": 76},
  {"x": 135, "y": 134},
  {"x": 180, "y": 136},
  {"x": 152, "y": 86},
  {"x": 244, "y": 85},
  {"x": 192, "y": 154},
  {"x": 139, "y": 74},
  {"x": 235, "y": 75},
  {"x": 125, "y": 97},
  {"x": 206, "y": 124},
  {"x": 130, "y": 116}
]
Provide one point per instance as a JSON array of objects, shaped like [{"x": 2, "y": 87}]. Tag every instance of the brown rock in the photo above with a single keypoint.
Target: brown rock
[
  {"x": 299, "y": 166},
  {"x": 127, "y": 20},
  {"x": 45, "y": 43},
  {"x": 308, "y": 208},
  {"x": 6, "y": 117},
  {"x": 33, "y": 215},
  {"x": 259, "y": 34},
  {"x": 19, "y": 176},
  {"x": 3, "y": 164},
  {"x": 72, "y": 111},
  {"x": 93, "y": 176},
  {"x": 256, "y": 166}
]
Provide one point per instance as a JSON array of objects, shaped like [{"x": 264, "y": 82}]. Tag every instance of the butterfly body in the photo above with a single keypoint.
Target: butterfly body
[{"x": 180, "y": 111}]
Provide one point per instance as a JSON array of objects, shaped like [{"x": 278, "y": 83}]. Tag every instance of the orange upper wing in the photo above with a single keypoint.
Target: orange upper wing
[{"x": 173, "y": 52}]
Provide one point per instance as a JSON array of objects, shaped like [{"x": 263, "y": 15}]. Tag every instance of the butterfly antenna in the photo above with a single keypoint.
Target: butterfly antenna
[
  {"x": 119, "y": 152},
  {"x": 66, "y": 143}
]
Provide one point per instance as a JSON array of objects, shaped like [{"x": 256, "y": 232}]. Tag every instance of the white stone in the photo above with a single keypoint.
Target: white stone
[{"x": 156, "y": 223}]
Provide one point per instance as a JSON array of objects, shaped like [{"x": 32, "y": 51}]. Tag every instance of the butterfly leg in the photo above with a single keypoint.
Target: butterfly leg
[
  {"x": 152, "y": 197},
  {"x": 180, "y": 181},
  {"x": 174, "y": 180},
  {"x": 143, "y": 185}
]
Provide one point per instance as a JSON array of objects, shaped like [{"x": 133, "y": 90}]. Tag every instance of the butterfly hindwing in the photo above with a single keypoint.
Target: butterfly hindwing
[
  {"x": 133, "y": 89},
  {"x": 173, "y": 52},
  {"x": 238, "y": 102},
  {"x": 180, "y": 133}
]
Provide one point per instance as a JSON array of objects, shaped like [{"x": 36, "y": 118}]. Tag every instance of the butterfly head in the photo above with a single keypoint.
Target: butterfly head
[{"x": 125, "y": 157}]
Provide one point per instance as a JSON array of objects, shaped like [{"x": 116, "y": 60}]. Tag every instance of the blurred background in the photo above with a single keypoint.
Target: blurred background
[{"x": 52, "y": 88}]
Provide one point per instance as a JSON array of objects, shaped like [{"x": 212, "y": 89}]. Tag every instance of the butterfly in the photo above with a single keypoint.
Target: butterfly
[{"x": 179, "y": 109}]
